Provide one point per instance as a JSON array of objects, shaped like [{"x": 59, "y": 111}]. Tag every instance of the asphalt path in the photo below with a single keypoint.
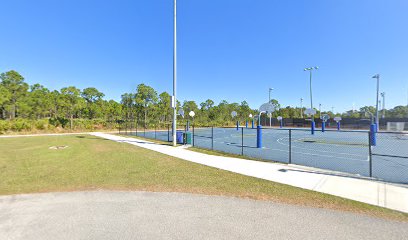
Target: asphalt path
[{"x": 146, "y": 215}]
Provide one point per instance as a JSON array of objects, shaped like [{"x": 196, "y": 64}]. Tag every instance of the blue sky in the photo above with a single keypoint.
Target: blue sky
[{"x": 228, "y": 49}]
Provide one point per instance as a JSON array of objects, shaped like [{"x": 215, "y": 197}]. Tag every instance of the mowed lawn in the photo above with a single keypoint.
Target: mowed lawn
[{"x": 27, "y": 165}]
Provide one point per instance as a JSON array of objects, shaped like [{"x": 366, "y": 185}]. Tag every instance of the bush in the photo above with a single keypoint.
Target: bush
[
  {"x": 21, "y": 125},
  {"x": 59, "y": 124},
  {"x": 5, "y": 126}
]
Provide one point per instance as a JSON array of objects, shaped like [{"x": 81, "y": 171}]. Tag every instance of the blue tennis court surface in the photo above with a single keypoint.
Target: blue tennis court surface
[{"x": 342, "y": 151}]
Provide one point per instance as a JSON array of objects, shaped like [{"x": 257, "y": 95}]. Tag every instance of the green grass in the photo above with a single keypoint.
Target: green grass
[{"x": 27, "y": 165}]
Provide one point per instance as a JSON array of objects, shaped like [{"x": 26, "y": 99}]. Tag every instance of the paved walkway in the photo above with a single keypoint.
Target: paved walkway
[
  {"x": 145, "y": 215},
  {"x": 372, "y": 192}
]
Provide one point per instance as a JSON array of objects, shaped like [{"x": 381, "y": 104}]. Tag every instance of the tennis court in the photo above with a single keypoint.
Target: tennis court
[{"x": 343, "y": 151}]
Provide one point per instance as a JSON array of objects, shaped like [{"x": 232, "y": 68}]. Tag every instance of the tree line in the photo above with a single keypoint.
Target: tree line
[{"x": 19, "y": 100}]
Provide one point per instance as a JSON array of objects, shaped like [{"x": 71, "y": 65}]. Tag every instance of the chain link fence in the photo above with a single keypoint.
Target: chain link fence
[{"x": 350, "y": 152}]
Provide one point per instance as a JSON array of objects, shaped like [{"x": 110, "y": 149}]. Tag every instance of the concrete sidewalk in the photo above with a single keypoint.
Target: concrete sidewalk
[{"x": 368, "y": 191}]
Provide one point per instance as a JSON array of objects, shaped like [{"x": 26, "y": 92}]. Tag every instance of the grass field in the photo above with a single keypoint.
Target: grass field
[{"x": 27, "y": 165}]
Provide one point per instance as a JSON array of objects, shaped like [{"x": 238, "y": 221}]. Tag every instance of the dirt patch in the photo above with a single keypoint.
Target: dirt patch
[{"x": 57, "y": 147}]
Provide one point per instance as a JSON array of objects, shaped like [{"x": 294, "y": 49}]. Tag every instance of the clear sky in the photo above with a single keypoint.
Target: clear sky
[{"x": 228, "y": 49}]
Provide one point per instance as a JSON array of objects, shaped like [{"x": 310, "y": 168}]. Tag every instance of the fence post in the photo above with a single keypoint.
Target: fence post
[
  {"x": 212, "y": 138},
  {"x": 132, "y": 126},
  {"x": 370, "y": 155},
  {"x": 155, "y": 131},
  {"x": 137, "y": 124},
  {"x": 193, "y": 134},
  {"x": 242, "y": 141},
  {"x": 373, "y": 130},
  {"x": 168, "y": 133},
  {"x": 290, "y": 146},
  {"x": 144, "y": 130}
]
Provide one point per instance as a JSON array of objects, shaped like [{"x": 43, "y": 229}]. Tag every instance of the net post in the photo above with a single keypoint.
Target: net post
[
  {"x": 290, "y": 146},
  {"x": 313, "y": 126},
  {"x": 259, "y": 136}
]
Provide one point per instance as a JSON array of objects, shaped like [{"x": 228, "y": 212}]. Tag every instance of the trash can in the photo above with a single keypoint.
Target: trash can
[
  {"x": 179, "y": 137},
  {"x": 187, "y": 138}
]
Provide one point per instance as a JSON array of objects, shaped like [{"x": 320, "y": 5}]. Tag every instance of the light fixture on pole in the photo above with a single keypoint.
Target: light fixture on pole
[
  {"x": 310, "y": 69},
  {"x": 377, "y": 120}
]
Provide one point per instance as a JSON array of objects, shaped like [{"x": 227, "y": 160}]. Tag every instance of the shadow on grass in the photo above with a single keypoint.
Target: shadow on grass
[{"x": 92, "y": 138}]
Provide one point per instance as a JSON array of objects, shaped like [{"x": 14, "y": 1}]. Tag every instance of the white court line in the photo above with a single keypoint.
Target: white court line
[
  {"x": 303, "y": 153},
  {"x": 340, "y": 153}
]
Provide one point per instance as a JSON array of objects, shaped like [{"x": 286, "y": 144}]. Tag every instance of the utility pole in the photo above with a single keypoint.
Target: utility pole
[
  {"x": 175, "y": 73},
  {"x": 301, "y": 107}
]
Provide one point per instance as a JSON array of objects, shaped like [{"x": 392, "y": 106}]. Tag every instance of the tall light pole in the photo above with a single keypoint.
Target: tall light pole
[
  {"x": 270, "y": 90},
  {"x": 310, "y": 69},
  {"x": 320, "y": 110},
  {"x": 383, "y": 104},
  {"x": 301, "y": 107},
  {"x": 270, "y": 116},
  {"x": 377, "y": 120},
  {"x": 174, "y": 73}
]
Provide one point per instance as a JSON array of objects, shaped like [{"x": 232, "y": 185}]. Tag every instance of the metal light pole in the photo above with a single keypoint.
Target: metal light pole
[
  {"x": 310, "y": 69},
  {"x": 175, "y": 74},
  {"x": 270, "y": 117},
  {"x": 383, "y": 104},
  {"x": 320, "y": 110},
  {"x": 301, "y": 107},
  {"x": 377, "y": 120}
]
